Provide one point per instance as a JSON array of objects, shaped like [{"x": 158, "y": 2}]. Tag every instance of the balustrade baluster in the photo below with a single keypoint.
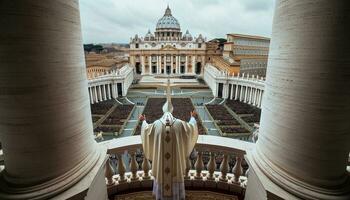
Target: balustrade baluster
[
  {"x": 109, "y": 172},
  {"x": 224, "y": 168},
  {"x": 211, "y": 166},
  {"x": 237, "y": 169},
  {"x": 146, "y": 166},
  {"x": 133, "y": 167},
  {"x": 121, "y": 168},
  {"x": 199, "y": 165}
]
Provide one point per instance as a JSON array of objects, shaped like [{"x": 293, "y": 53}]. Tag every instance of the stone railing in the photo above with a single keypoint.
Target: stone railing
[{"x": 216, "y": 163}]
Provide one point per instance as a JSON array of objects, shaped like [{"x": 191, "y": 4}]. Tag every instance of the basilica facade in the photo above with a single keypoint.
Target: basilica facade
[{"x": 168, "y": 51}]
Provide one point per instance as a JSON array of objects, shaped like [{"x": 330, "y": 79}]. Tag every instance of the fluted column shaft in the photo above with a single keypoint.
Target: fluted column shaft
[
  {"x": 45, "y": 120},
  {"x": 304, "y": 132}
]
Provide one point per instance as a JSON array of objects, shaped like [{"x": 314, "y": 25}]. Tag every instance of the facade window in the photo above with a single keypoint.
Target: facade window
[
  {"x": 168, "y": 34},
  {"x": 199, "y": 45},
  {"x": 136, "y": 46}
]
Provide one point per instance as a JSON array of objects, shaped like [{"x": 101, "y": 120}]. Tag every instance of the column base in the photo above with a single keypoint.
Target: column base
[
  {"x": 73, "y": 182},
  {"x": 265, "y": 182}
]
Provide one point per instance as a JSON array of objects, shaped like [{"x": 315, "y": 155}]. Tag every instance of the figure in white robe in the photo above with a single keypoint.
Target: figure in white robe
[{"x": 168, "y": 142}]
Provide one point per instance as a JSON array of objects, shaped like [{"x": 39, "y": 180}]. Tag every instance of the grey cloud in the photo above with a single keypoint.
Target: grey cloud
[{"x": 118, "y": 20}]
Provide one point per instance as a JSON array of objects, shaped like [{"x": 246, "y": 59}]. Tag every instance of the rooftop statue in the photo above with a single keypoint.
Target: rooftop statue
[{"x": 168, "y": 142}]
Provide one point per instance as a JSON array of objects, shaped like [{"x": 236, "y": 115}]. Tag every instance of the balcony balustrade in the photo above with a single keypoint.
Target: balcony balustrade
[{"x": 216, "y": 164}]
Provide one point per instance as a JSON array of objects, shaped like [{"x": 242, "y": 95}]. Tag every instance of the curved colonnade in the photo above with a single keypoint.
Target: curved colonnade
[
  {"x": 110, "y": 86},
  {"x": 247, "y": 89}
]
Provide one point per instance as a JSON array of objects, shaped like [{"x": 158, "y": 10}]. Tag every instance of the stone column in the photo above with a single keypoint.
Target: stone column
[
  {"x": 165, "y": 61},
  {"x": 95, "y": 91},
  {"x": 236, "y": 93},
  {"x": 116, "y": 90},
  {"x": 113, "y": 91},
  {"x": 150, "y": 64},
  {"x": 46, "y": 130},
  {"x": 109, "y": 91},
  {"x": 143, "y": 64},
  {"x": 157, "y": 57},
  {"x": 253, "y": 98},
  {"x": 171, "y": 64},
  {"x": 91, "y": 96},
  {"x": 241, "y": 95},
  {"x": 99, "y": 93},
  {"x": 186, "y": 64},
  {"x": 104, "y": 92},
  {"x": 303, "y": 144},
  {"x": 193, "y": 63}
]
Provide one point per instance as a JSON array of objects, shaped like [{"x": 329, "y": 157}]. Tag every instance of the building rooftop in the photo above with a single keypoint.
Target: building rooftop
[{"x": 248, "y": 36}]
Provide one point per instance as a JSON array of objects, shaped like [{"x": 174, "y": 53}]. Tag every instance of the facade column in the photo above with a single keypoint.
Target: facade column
[
  {"x": 46, "y": 130},
  {"x": 231, "y": 97},
  {"x": 164, "y": 64},
  {"x": 157, "y": 64},
  {"x": 150, "y": 64},
  {"x": 186, "y": 64},
  {"x": 177, "y": 64},
  {"x": 303, "y": 145},
  {"x": 143, "y": 64},
  {"x": 193, "y": 63},
  {"x": 171, "y": 63}
]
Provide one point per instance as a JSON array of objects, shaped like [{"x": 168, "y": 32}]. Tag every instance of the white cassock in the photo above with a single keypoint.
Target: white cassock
[{"x": 168, "y": 142}]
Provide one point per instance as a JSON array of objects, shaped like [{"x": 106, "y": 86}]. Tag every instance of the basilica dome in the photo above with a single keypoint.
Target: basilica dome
[{"x": 168, "y": 21}]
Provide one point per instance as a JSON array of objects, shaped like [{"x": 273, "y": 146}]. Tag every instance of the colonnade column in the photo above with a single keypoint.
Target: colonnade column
[
  {"x": 303, "y": 144},
  {"x": 91, "y": 95},
  {"x": 47, "y": 142},
  {"x": 236, "y": 92},
  {"x": 109, "y": 91},
  {"x": 95, "y": 91},
  {"x": 104, "y": 92}
]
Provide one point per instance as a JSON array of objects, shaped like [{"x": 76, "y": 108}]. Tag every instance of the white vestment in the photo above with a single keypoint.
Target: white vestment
[{"x": 168, "y": 142}]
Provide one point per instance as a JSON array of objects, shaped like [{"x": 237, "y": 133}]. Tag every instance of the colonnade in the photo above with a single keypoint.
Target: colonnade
[
  {"x": 170, "y": 64},
  {"x": 104, "y": 91},
  {"x": 241, "y": 87},
  {"x": 245, "y": 93}
]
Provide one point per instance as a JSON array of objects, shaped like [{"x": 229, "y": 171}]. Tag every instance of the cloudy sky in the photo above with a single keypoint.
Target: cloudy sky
[{"x": 105, "y": 21}]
